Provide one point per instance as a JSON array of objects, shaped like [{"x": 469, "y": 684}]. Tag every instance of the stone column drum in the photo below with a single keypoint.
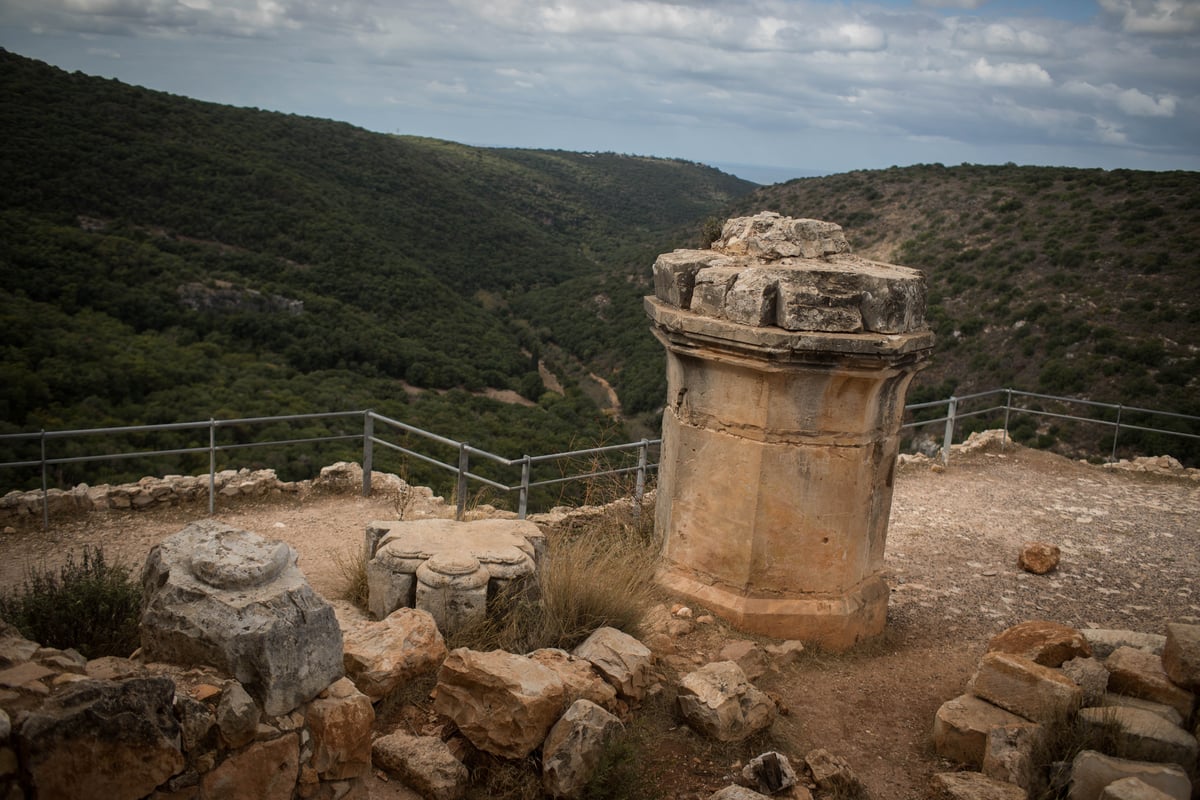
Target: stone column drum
[{"x": 787, "y": 364}]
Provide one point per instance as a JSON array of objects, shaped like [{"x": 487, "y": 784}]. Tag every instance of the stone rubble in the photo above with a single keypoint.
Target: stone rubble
[{"x": 1109, "y": 685}]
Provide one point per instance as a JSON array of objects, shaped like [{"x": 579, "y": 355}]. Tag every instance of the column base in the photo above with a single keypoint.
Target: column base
[{"x": 832, "y": 621}]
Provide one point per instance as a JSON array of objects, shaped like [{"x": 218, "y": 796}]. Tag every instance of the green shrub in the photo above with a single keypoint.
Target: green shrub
[{"x": 89, "y": 605}]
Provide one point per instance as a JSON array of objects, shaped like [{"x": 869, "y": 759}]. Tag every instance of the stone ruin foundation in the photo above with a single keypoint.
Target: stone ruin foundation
[{"x": 788, "y": 360}]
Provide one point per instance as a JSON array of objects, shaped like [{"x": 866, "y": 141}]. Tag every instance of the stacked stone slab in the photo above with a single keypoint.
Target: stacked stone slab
[
  {"x": 1031, "y": 677},
  {"x": 788, "y": 359}
]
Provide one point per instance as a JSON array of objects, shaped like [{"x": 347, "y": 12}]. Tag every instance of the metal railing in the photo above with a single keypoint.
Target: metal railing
[
  {"x": 465, "y": 453},
  {"x": 369, "y": 438},
  {"x": 954, "y": 414}
]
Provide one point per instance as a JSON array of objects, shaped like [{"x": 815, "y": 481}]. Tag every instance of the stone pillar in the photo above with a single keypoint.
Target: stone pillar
[{"x": 787, "y": 364}]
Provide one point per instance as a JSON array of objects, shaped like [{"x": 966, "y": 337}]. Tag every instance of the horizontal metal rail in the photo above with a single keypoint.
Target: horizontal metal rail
[{"x": 466, "y": 452}]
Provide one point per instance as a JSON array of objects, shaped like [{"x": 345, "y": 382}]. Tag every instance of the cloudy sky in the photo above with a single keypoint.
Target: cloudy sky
[{"x": 798, "y": 86}]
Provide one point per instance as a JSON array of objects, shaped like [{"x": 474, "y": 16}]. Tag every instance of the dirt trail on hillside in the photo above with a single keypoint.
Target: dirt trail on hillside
[{"x": 1130, "y": 553}]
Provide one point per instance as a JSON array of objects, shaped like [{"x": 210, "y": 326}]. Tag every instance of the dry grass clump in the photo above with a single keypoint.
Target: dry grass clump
[
  {"x": 352, "y": 569},
  {"x": 588, "y": 579},
  {"x": 1063, "y": 737}
]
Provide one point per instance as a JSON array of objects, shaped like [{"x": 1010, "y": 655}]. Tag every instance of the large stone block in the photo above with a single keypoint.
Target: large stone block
[
  {"x": 119, "y": 739},
  {"x": 503, "y": 703},
  {"x": 1181, "y": 655},
  {"x": 340, "y": 723},
  {"x": 574, "y": 746},
  {"x": 382, "y": 656},
  {"x": 1042, "y": 642},
  {"x": 720, "y": 703},
  {"x": 1030, "y": 690},
  {"x": 972, "y": 786},
  {"x": 1141, "y": 674},
  {"x": 235, "y": 601},
  {"x": 1144, "y": 735},
  {"x": 263, "y": 771},
  {"x": 621, "y": 659},
  {"x": 961, "y": 726}
]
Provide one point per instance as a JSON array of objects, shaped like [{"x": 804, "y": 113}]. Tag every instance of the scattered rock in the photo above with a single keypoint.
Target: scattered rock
[
  {"x": 117, "y": 738},
  {"x": 573, "y": 748},
  {"x": 972, "y": 786},
  {"x": 340, "y": 722},
  {"x": 237, "y": 715},
  {"x": 1089, "y": 675},
  {"x": 735, "y": 792},
  {"x": 1132, "y": 789},
  {"x": 785, "y": 654},
  {"x": 504, "y": 704},
  {"x": 717, "y": 701},
  {"x": 747, "y": 655},
  {"x": 961, "y": 726},
  {"x": 831, "y": 772},
  {"x": 580, "y": 680},
  {"x": 264, "y": 771},
  {"x": 1038, "y": 557},
  {"x": 621, "y": 659},
  {"x": 1092, "y": 771},
  {"x": 770, "y": 773},
  {"x": 1042, "y": 642},
  {"x": 1104, "y": 641},
  {"x": 1010, "y": 753},
  {"x": 423, "y": 762},
  {"x": 382, "y": 656}
]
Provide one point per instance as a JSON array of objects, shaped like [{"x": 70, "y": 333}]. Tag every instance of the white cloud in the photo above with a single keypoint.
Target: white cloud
[
  {"x": 1161, "y": 17},
  {"x": 963, "y": 4},
  {"x": 1131, "y": 101},
  {"x": 1009, "y": 74},
  {"x": 1001, "y": 38}
]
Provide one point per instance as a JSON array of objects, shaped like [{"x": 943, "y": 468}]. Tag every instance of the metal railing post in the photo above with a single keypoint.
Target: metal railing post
[
  {"x": 212, "y": 466},
  {"x": 45, "y": 487},
  {"x": 523, "y": 502},
  {"x": 368, "y": 451},
  {"x": 639, "y": 486},
  {"x": 1007, "y": 408},
  {"x": 1116, "y": 433},
  {"x": 949, "y": 437},
  {"x": 463, "y": 464}
]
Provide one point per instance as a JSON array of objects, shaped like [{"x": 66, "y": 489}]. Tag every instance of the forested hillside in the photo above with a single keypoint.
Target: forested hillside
[
  {"x": 1062, "y": 281},
  {"x": 168, "y": 259}
]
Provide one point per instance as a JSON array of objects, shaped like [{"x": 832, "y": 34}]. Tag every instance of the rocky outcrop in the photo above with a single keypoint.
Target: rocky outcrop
[{"x": 235, "y": 601}]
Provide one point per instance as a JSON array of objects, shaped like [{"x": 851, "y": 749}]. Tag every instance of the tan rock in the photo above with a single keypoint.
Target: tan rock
[
  {"x": 1166, "y": 712},
  {"x": 717, "y": 701},
  {"x": 621, "y": 659},
  {"x": 503, "y": 703},
  {"x": 1039, "y": 557},
  {"x": 423, "y": 762},
  {"x": 972, "y": 786},
  {"x": 574, "y": 747},
  {"x": 580, "y": 679},
  {"x": 340, "y": 724},
  {"x": 1140, "y": 674},
  {"x": 1030, "y": 690},
  {"x": 747, "y": 655},
  {"x": 831, "y": 772},
  {"x": 961, "y": 726},
  {"x": 1144, "y": 735},
  {"x": 1132, "y": 789},
  {"x": 1046, "y": 643},
  {"x": 262, "y": 771},
  {"x": 1010, "y": 755},
  {"x": 1181, "y": 655},
  {"x": 381, "y": 656},
  {"x": 1092, "y": 771}
]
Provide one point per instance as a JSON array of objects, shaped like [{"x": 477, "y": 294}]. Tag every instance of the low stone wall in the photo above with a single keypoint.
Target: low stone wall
[{"x": 171, "y": 490}]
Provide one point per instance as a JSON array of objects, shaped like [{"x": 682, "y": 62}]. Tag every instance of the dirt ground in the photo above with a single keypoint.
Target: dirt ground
[{"x": 1130, "y": 556}]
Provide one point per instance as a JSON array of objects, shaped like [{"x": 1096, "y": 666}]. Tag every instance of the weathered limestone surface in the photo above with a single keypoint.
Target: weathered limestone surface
[
  {"x": 236, "y": 601},
  {"x": 423, "y": 762},
  {"x": 573, "y": 747},
  {"x": 1181, "y": 655},
  {"x": 119, "y": 739},
  {"x": 1009, "y": 755},
  {"x": 961, "y": 726},
  {"x": 1039, "y": 557},
  {"x": 503, "y": 703},
  {"x": 1145, "y": 735},
  {"x": 787, "y": 364},
  {"x": 340, "y": 724},
  {"x": 771, "y": 772},
  {"x": 264, "y": 771},
  {"x": 1141, "y": 674},
  {"x": 622, "y": 660},
  {"x": 1105, "y": 641},
  {"x": 972, "y": 786},
  {"x": 1132, "y": 789},
  {"x": 1025, "y": 688},
  {"x": 720, "y": 703},
  {"x": 1041, "y": 641},
  {"x": 1092, "y": 771},
  {"x": 381, "y": 656},
  {"x": 580, "y": 679}
]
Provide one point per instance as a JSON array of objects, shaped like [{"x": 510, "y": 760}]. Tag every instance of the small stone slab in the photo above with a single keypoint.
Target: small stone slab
[
  {"x": 1104, "y": 641},
  {"x": 1043, "y": 642},
  {"x": 1140, "y": 674},
  {"x": 1025, "y": 688},
  {"x": 1132, "y": 789},
  {"x": 621, "y": 659},
  {"x": 972, "y": 786},
  {"x": 423, "y": 762},
  {"x": 1166, "y": 712},
  {"x": 961, "y": 726},
  {"x": 717, "y": 701},
  {"x": 1145, "y": 735},
  {"x": 1092, "y": 771}
]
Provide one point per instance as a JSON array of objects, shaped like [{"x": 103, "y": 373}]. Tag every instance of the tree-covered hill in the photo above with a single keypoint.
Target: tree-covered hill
[
  {"x": 165, "y": 258},
  {"x": 1062, "y": 281}
]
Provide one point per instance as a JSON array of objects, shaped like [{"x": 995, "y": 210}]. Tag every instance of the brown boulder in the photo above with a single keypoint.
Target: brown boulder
[
  {"x": 1038, "y": 557},
  {"x": 1042, "y": 642}
]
